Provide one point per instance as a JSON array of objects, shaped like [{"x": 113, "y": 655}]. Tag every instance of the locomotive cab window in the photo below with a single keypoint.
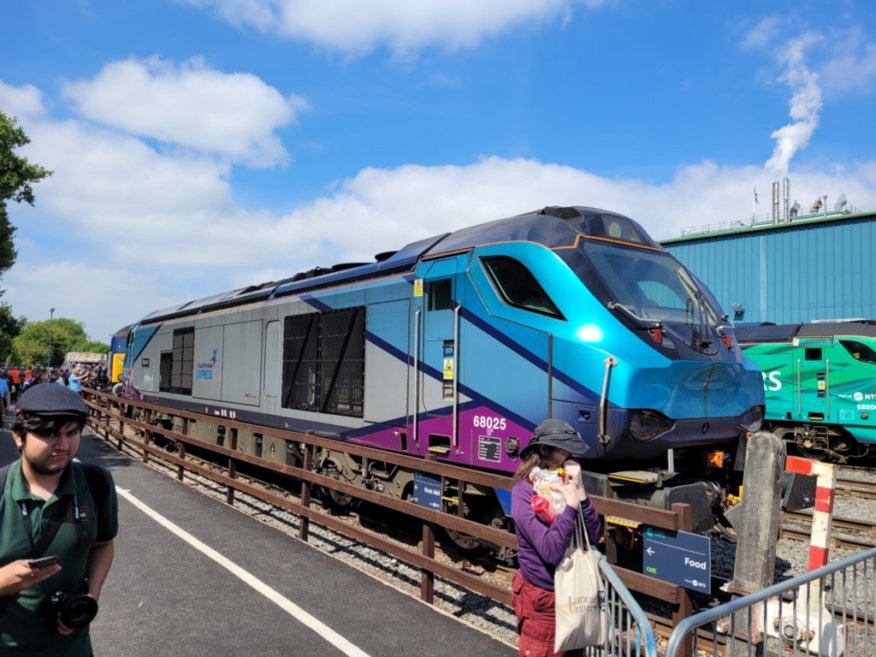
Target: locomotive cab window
[
  {"x": 517, "y": 287},
  {"x": 859, "y": 351},
  {"x": 439, "y": 294},
  {"x": 813, "y": 353}
]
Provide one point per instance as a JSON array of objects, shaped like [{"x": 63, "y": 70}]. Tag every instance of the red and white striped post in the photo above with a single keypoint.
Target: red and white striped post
[{"x": 823, "y": 512}]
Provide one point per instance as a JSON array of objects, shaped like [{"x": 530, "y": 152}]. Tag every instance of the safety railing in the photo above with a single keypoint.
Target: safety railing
[
  {"x": 631, "y": 634},
  {"x": 829, "y": 612},
  {"x": 630, "y": 621}
]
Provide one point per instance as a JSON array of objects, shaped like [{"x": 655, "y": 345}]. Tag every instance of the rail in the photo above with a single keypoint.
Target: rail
[
  {"x": 106, "y": 407},
  {"x": 827, "y": 612},
  {"x": 633, "y": 634}
]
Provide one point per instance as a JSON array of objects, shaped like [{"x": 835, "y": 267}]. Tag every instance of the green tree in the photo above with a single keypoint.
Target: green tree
[
  {"x": 9, "y": 328},
  {"x": 92, "y": 346},
  {"x": 16, "y": 177},
  {"x": 31, "y": 346}
]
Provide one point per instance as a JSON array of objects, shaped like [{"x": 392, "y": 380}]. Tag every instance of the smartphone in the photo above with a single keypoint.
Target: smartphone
[{"x": 42, "y": 562}]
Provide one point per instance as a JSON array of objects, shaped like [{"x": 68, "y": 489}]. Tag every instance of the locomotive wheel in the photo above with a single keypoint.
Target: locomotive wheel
[
  {"x": 467, "y": 543},
  {"x": 335, "y": 501},
  {"x": 163, "y": 441},
  {"x": 463, "y": 542}
]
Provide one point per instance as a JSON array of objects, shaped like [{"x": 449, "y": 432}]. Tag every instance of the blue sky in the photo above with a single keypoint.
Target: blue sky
[{"x": 203, "y": 145}]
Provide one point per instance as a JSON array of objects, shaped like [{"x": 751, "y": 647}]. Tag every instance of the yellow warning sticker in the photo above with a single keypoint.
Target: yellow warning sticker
[
  {"x": 418, "y": 287},
  {"x": 448, "y": 368}
]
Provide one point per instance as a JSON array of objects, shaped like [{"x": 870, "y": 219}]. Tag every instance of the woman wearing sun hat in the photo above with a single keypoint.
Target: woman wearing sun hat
[{"x": 541, "y": 544}]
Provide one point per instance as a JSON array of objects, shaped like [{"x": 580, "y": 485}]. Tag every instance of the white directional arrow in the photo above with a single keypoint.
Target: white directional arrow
[{"x": 650, "y": 551}]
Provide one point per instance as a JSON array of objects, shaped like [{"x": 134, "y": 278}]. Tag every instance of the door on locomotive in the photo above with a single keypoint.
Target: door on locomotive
[
  {"x": 813, "y": 378},
  {"x": 388, "y": 390},
  {"x": 436, "y": 400}
]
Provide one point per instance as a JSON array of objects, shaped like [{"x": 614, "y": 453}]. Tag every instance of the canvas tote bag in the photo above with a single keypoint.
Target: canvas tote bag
[{"x": 581, "y": 615}]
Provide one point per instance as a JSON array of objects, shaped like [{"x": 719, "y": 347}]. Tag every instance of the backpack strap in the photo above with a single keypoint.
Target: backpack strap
[
  {"x": 3, "y": 472},
  {"x": 96, "y": 482}
]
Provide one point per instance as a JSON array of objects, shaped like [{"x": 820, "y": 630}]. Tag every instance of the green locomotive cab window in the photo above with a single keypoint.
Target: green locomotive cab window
[
  {"x": 813, "y": 354},
  {"x": 517, "y": 287},
  {"x": 859, "y": 351}
]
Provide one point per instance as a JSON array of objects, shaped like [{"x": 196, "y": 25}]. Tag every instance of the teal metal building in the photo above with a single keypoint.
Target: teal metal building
[{"x": 810, "y": 268}]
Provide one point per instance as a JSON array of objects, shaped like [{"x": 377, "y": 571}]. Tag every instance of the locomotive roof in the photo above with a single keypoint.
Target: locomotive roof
[
  {"x": 787, "y": 332},
  {"x": 551, "y": 226}
]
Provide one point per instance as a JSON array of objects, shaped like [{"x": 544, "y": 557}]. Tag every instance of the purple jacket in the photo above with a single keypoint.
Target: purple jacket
[{"x": 541, "y": 546}]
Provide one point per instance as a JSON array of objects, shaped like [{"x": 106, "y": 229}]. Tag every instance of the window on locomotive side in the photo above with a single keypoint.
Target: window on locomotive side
[
  {"x": 813, "y": 353},
  {"x": 517, "y": 287},
  {"x": 439, "y": 294},
  {"x": 859, "y": 351}
]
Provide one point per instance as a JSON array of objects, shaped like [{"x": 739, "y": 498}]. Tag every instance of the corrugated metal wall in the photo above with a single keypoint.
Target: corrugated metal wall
[{"x": 793, "y": 272}]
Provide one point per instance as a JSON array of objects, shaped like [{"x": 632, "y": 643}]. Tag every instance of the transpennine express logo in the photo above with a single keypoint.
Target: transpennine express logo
[{"x": 205, "y": 370}]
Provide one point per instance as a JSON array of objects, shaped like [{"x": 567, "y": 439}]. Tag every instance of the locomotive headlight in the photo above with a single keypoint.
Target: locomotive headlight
[
  {"x": 646, "y": 424},
  {"x": 753, "y": 419},
  {"x": 589, "y": 333}
]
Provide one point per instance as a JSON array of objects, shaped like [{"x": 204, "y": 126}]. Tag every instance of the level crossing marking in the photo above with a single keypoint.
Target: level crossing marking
[{"x": 281, "y": 601}]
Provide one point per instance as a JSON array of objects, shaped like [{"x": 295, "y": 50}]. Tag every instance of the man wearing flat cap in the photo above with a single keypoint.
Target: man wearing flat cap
[{"x": 58, "y": 519}]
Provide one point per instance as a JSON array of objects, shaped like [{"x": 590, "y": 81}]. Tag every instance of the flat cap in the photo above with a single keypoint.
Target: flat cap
[
  {"x": 557, "y": 434},
  {"x": 50, "y": 399}
]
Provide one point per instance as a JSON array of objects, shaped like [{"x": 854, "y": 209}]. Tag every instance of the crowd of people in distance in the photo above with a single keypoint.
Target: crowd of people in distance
[{"x": 17, "y": 378}]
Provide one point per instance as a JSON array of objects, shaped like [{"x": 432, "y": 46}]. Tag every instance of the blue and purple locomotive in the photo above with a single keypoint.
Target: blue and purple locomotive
[{"x": 457, "y": 346}]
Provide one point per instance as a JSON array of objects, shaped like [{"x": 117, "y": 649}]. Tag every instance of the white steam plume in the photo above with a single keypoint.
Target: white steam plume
[{"x": 805, "y": 105}]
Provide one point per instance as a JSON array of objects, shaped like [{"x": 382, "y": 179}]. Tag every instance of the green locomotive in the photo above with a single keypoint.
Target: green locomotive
[{"x": 820, "y": 384}]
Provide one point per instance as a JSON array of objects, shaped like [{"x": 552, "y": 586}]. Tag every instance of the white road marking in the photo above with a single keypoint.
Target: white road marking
[{"x": 284, "y": 603}]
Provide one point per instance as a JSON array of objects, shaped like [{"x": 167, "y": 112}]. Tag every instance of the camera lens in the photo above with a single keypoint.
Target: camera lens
[{"x": 78, "y": 610}]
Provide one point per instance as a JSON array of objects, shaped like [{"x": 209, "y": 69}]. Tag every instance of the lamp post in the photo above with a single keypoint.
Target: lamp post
[{"x": 51, "y": 317}]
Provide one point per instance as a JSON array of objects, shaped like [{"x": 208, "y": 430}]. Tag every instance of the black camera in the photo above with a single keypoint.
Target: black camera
[{"x": 74, "y": 607}]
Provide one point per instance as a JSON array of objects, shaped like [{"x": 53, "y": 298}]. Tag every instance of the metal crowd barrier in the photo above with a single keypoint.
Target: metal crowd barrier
[
  {"x": 829, "y": 612},
  {"x": 630, "y": 633}
]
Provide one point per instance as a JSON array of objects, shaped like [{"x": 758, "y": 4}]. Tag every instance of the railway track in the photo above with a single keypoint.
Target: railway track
[
  {"x": 856, "y": 488},
  {"x": 797, "y": 525}
]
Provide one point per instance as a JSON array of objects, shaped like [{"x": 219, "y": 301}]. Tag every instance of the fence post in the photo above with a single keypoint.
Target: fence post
[
  {"x": 427, "y": 578},
  {"x": 757, "y": 531},
  {"x": 304, "y": 525},
  {"x": 229, "y": 489},
  {"x": 760, "y": 514},
  {"x": 683, "y": 606}
]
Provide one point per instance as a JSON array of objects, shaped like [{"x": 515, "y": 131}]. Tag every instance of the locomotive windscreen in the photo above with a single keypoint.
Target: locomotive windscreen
[{"x": 651, "y": 285}]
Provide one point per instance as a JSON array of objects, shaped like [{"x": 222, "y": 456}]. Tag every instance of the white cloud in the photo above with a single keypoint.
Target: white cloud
[
  {"x": 851, "y": 64},
  {"x": 104, "y": 298},
  {"x": 360, "y": 26},
  {"x": 232, "y": 115},
  {"x": 763, "y": 34},
  {"x": 23, "y": 103}
]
